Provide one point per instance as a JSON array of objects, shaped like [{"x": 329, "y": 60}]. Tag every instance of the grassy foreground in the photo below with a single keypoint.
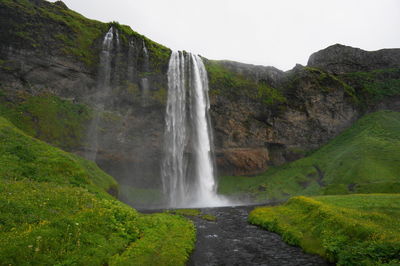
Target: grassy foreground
[
  {"x": 363, "y": 159},
  {"x": 350, "y": 230},
  {"x": 55, "y": 211}
]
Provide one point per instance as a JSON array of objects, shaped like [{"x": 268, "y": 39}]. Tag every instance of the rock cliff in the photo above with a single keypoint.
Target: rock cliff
[
  {"x": 49, "y": 71},
  {"x": 341, "y": 59},
  {"x": 51, "y": 51}
]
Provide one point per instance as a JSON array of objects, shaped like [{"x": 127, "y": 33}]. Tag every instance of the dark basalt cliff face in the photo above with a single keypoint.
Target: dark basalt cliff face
[
  {"x": 341, "y": 59},
  {"x": 49, "y": 71}
]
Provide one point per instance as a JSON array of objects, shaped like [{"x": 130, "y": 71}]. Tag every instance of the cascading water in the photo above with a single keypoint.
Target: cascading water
[
  {"x": 174, "y": 165},
  {"x": 103, "y": 90},
  {"x": 187, "y": 169},
  {"x": 144, "y": 81},
  {"x": 131, "y": 66}
]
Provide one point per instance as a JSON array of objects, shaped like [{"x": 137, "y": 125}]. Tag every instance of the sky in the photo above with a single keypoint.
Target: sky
[{"x": 276, "y": 33}]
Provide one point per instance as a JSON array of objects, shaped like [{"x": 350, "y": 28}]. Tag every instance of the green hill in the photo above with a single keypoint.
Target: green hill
[
  {"x": 55, "y": 210},
  {"x": 348, "y": 229},
  {"x": 363, "y": 159},
  {"x": 23, "y": 157}
]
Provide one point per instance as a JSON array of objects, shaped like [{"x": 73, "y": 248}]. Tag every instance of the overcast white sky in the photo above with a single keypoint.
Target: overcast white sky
[{"x": 280, "y": 33}]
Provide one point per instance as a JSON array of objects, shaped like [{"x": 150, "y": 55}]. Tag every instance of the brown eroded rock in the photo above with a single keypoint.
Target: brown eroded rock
[{"x": 242, "y": 161}]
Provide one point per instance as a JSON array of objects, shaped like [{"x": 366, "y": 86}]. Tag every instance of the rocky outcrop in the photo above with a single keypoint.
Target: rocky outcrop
[
  {"x": 315, "y": 111},
  {"x": 341, "y": 59},
  {"x": 242, "y": 161},
  {"x": 256, "y": 73}
]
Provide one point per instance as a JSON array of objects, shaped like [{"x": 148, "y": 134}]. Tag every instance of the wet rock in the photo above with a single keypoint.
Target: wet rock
[{"x": 242, "y": 161}]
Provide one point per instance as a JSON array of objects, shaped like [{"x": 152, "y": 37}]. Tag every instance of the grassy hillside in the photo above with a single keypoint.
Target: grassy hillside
[
  {"x": 47, "y": 117},
  {"x": 351, "y": 229},
  {"x": 23, "y": 157},
  {"x": 55, "y": 210},
  {"x": 363, "y": 159}
]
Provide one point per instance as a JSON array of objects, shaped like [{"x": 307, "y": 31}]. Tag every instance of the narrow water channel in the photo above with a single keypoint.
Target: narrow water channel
[{"x": 230, "y": 240}]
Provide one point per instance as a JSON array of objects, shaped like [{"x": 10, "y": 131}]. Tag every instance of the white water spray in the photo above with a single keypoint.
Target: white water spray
[
  {"x": 103, "y": 90},
  {"x": 144, "y": 82},
  {"x": 187, "y": 169}
]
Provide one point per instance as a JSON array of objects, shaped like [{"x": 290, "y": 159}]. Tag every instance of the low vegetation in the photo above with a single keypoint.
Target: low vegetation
[
  {"x": 348, "y": 229},
  {"x": 232, "y": 85},
  {"x": 363, "y": 159},
  {"x": 74, "y": 34},
  {"x": 47, "y": 117},
  {"x": 66, "y": 31},
  {"x": 141, "y": 197},
  {"x": 23, "y": 157},
  {"x": 372, "y": 87},
  {"x": 55, "y": 210},
  {"x": 193, "y": 213},
  {"x": 158, "y": 54}
]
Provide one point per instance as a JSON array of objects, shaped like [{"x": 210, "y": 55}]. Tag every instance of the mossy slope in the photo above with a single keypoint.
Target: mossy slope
[
  {"x": 23, "y": 157},
  {"x": 351, "y": 229},
  {"x": 363, "y": 159},
  {"x": 47, "y": 117},
  {"x": 55, "y": 210}
]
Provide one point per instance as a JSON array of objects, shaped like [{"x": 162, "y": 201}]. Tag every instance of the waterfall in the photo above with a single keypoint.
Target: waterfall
[
  {"x": 144, "y": 82},
  {"x": 131, "y": 67},
  {"x": 173, "y": 170},
  {"x": 187, "y": 169},
  {"x": 102, "y": 92}
]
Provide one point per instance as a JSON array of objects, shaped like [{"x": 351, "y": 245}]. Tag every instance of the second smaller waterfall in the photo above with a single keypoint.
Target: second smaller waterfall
[
  {"x": 144, "y": 81},
  {"x": 102, "y": 91}
]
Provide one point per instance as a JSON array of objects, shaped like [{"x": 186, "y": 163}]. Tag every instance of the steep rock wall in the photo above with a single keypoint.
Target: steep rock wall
[{"x": 49, "y": 50}]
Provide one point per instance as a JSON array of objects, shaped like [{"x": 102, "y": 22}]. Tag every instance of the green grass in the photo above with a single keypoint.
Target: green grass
[
  {"x": 55, "y": 211},
  {"x": 140, "y": 196},
  {"x": 232, "y": 85},
  {"x": 75, "y": 32},
  {"x": 348, "y": 229},
  {"x": 47, "y": 117},
  {"x": 158, "y": 54},
  {"x": 373, "y": 86},
  {"x": 186, "y": 212},
  {"x": 47, "y": 224},
  {"x": 23, "y": 157},
  {"x": 165, "y": 240},
  {"x": 363, "y": 159},
  {"x": 85, "y": 32},
  {"x": 193, "y": 213}
]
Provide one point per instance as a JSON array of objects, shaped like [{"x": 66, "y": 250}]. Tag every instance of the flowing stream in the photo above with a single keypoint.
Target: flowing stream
[
  {"x": 187, "y": 169},
  {"x": 230, "y": 240}
]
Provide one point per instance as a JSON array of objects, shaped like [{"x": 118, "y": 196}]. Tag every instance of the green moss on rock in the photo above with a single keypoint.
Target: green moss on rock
[
  {"x": 372, "y": 87},
  {"x": 47, "y": 117},
  {"x": 224, "y": 82},
  {"x": 23, "y": 157}
]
